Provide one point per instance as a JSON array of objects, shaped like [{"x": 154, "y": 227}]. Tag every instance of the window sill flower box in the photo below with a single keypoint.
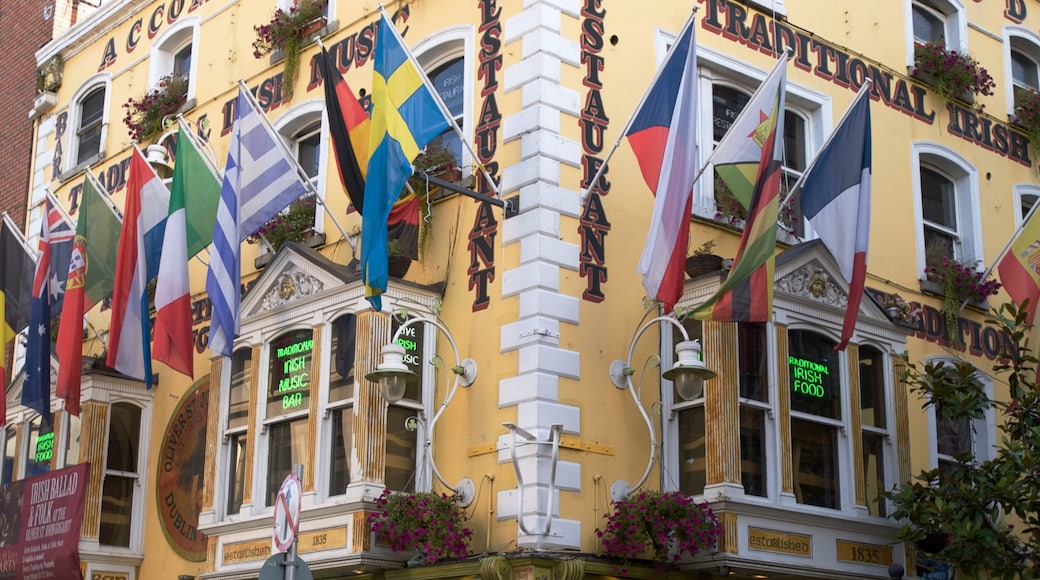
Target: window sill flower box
[
  {"x": 286, "y": 34},
  {"x": 951, "y": 74}
]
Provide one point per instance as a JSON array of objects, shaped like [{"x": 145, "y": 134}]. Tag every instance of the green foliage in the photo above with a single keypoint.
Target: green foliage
[
  {"x": 977, "y": 504},
  {"x": 439, "y": 162},
  {"x": 293, "y": 224},
  {"x": 287, "y": 32},
  {"x": 951, "y": 74},
  {"x": 145, "y": 117},
  {"x": 657, "y": 522}
]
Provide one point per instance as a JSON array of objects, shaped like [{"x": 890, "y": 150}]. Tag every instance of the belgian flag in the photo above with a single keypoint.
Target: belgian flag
[{"x": 348, "y": 125}]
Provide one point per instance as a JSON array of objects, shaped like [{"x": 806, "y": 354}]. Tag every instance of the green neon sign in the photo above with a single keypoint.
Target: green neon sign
[{"x": 807, "y": 377}]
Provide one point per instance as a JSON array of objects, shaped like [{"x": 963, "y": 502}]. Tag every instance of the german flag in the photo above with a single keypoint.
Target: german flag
[
  {"x": 348, "y": 125},
  {"x": 403, "y": 225}
]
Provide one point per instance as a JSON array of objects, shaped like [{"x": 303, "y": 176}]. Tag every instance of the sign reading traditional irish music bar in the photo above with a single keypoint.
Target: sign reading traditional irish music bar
[
  {"x": 289, "y": 376},
  {"x": 40, "y": 519},
  {"x": 180, "y": 473}
]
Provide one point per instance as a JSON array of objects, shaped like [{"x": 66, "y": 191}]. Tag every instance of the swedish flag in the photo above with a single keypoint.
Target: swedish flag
[{"x": 405, "y": 117}]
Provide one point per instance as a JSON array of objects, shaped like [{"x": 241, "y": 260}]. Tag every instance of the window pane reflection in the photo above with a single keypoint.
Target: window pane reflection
[
  {"x": 815, "y": 460},
  {"x": 401, "y": 445},
  {"x": 117, "y": 505},
  {"x": 874, "y": 472},
  {"x": 288, "y": 447},
  {"x": 692, "y": 466},
  {"x": 753, "y": 450}
]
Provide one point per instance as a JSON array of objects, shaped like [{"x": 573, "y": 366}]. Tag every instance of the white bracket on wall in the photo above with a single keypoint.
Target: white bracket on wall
[{"x": 530, "y": 439}]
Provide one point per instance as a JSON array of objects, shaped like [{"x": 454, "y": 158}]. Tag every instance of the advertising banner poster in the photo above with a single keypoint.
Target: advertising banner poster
[{"x": 39, "y": 525}]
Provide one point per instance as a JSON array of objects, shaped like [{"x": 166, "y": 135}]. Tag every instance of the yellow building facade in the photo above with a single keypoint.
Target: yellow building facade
[{"x": 542, "y": 298}]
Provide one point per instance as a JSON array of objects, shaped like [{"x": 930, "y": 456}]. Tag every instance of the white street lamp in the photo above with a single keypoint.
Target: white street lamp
[
  {"x": 393, "y": 376},
  {"x": 688, "y": 374}
]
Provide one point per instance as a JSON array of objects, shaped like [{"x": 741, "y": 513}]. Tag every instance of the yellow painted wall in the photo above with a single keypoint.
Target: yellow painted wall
[{"x": 608, "y": 419}]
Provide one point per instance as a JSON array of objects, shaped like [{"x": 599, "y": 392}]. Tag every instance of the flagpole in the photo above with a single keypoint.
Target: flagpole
[
  {"x": 104, "y": 195},
  {"x": 57, "y": 205},
  {"x": 1007, "y": 246},
  {"x": 18, "y": 234},
  {"x": 780, "y": 62},
  {"x": 639, "y": 106},
  {"x": 863, "y": 90},
  {"x": 296, "y": 165},
  {"x": 199, "y": 145},
  {"x": 440, "y": 103}
]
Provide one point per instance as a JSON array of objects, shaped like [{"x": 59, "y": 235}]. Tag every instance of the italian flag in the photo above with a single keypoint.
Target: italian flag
[{"x": 173, "y": 342}]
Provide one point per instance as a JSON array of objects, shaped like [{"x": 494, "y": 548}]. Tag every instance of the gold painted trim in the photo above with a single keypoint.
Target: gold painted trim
[
  {"x": 859, "y": 476},
  {"x": 902, "y": 426},
  {"x": 212, "y": 429},
  {"x": 93, "y": 427},
  {"x": 721, "y": 404}
]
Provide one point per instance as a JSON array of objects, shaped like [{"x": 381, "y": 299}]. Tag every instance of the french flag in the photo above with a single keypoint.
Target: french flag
[
  {"x": 129, "y": 351},
  {"x": 663, "y": 137},
  {"x": 835, "y": 198}
]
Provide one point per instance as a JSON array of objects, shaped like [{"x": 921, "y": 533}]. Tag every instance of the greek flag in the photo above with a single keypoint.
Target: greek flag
[{"x": 259, "y": 182}]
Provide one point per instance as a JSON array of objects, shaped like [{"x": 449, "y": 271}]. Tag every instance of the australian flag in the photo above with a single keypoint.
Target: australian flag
[{"x": 48, "y": 292}]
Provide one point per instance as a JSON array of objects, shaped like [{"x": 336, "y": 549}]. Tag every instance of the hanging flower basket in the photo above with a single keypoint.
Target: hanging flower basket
[
  {"x": 667, "y": 525},
  {"x": 427, "y": 523},
  {"x": 951, "y": 74},
  {"x": 145, "y": 116},
  {"x": 294, "y": 224},
  {"x": 1027, "y": 114},
  {"x": 288, "y": 31},
  {"x": 960, "y": 282}
]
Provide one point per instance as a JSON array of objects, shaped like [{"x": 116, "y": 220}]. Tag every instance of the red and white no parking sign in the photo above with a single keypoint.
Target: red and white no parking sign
[{"x": 287, "y": 512}]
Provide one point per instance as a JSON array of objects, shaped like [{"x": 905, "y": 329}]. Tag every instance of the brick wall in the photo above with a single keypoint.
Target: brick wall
[{"x": 25, "y": 26}]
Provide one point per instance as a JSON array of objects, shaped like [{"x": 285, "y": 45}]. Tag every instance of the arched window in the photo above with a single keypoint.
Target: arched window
[
  {"x": 1022, "y": 64},
  {"x": 946, "y": 202},
  {"x": 122, "y": 493},
  {"x": 816, "y": 418},
  {"x": 88, "y": 119},
  {"x": 935, "y": 21},
  {"x": 174, "y": 53},
  {"x": 730, "y": 85}
]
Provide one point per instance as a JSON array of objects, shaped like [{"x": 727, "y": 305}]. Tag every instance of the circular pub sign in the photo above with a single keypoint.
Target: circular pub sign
[{"x": 181, "y": 473}]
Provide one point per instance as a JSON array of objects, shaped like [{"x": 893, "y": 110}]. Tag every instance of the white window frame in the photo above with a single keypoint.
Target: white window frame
[
  {"x": 953, "y": 15},
  {"x": 984, "y": 438},
  {"x": 263, "y": 439},
  {"x": 843, "y": 425},
  {"x": 441, "y": 48},
  {"x": 261, "y": 423},
  {"x": 890, "y": 470},
  {"x": 289, "y": 126},
  {"x": 104, "y": 82},
  {"x": 165, "y": 48},
  {"x": 1026, "y": 42},
  {"x": 142, "y": 482},
  {"x": 324, "y": 466},
  {"x": 718, "y": 68},
  {"x": 223, "y": 489},
  {"x": 1025, "y": 193},
  {"x": 966, "y": 193}
]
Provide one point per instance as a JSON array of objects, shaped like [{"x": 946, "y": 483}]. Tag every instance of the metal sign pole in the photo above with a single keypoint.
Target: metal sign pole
[{"x": 290, "y": 557}]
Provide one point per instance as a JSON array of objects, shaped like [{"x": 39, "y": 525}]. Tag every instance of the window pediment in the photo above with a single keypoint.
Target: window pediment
[
  {"x": 814, "y": 282},
  {"x": 296, "y": 274},
  {"x": 807, "y": 278}
]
